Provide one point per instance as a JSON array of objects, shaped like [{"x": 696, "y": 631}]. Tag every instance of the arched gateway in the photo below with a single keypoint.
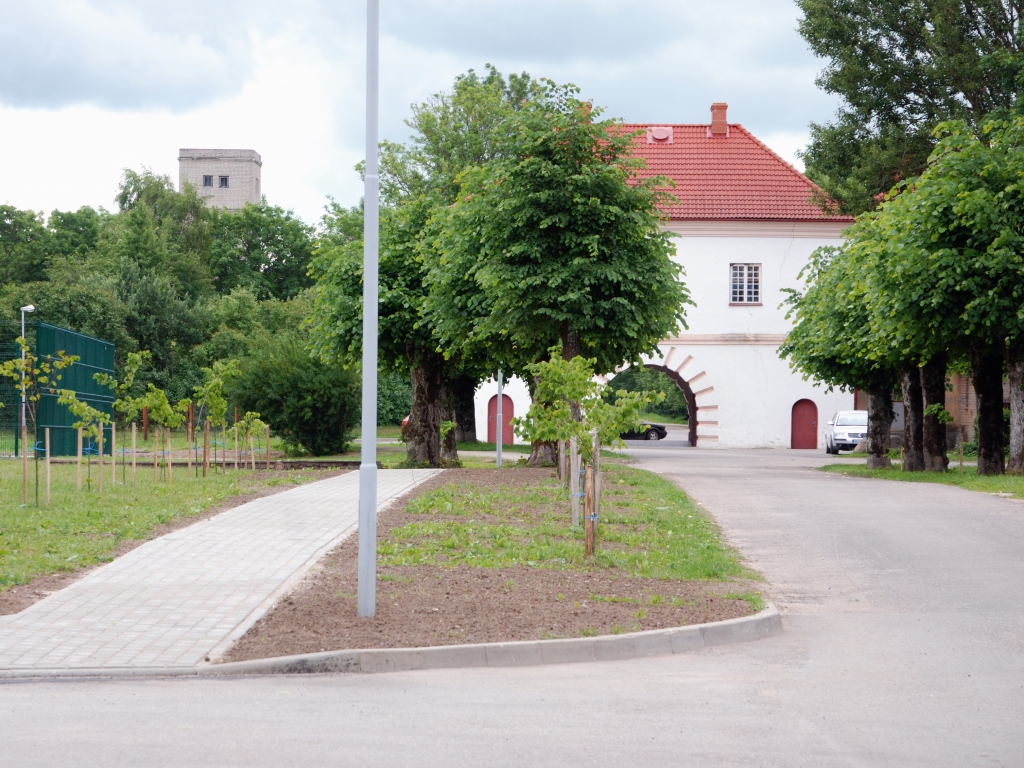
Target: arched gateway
[{"x": 693, "y": 380}]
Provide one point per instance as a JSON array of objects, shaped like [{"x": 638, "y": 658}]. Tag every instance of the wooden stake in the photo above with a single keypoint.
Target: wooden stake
[
  {"x": 156, "y": 447},
  {"x": 252, "y": 453},
  {"x": 113, "y": 458},
  {"x": 234, "y": 429},
  {"x": 597, "y": 484},
  {"x": 170, "y": 463},
  {"x": 133, "y": 454},
  {"x": 47, "y": 433},
  {"x": 588, "y": 511},
  {"x": 145, "y": 424},
  {"x": 961, "y": 455},
  {"x": 99, "y": 465},
  {"x": 561, "y": 463},
  {"x": 223, "y": 448},
  {"x": 191, "y": 441},
  {"x": 268, "y": 446},
  {"x": 206, "y": 447},
  {"x": 574, "y": 480},
  {"x": 79, "y": 462}
]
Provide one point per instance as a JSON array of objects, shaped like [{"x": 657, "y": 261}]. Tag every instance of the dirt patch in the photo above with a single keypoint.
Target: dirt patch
[
  {"x": 21, "y": 596},
  {"x": 427, "y": 605}
]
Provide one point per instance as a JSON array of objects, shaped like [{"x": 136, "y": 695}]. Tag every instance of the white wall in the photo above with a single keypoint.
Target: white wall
[
  {"x": 728, "y": 355},
  {"x": 515, "y": 388}
]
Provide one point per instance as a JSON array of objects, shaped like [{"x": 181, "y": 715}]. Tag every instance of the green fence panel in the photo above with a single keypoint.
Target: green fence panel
[
  {"x": 95, "y": 356},
  {"x": 9, "y": 396}
]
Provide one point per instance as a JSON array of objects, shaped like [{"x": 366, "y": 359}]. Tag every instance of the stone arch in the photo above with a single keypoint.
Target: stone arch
[{"x": 684, "y": 369}]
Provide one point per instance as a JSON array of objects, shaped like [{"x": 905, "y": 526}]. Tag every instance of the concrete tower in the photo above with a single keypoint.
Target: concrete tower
[{"x": 226, "y": 178}]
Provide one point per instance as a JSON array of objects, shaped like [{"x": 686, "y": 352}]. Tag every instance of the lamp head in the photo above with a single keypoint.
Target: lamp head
[{"x": 29, "y": 308}]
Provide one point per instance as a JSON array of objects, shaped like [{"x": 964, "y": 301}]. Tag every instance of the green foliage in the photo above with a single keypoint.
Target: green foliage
[
  {"x": 569, "y": 403},
  {"x": 394, "y": 398},
  {"x": 210, "y": 395},
  {"x": 901, "y": 69},
  {"x": 34, "y": 376},
  {"x": 125, "y": 404},
  {"x": 261, "y": 247},
  {"x": 306, "y": 401},
  {"x": 23, "y": 244},
  {"x": 939, "y": 412},
  {"x": 640, "y": 379},
  {"x": 556, "y": 240},
  {"x": 161, "y": 411}
]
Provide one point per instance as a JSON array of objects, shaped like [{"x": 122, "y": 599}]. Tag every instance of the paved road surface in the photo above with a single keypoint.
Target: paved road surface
[{"x": 904, "y": 646}]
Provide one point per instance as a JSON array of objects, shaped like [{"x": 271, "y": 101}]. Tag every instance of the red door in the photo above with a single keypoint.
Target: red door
[
  {"x": 805, "y": 425},
  {"x": 507, "y": 412}
]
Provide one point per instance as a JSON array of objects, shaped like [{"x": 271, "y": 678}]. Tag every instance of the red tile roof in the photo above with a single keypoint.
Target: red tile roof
[{"x": 733, "y": 177}]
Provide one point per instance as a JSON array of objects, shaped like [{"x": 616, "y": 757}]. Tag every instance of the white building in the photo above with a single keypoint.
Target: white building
[
  {"x": 744, "y": 226},
  {"x": 225, "y": 178}
]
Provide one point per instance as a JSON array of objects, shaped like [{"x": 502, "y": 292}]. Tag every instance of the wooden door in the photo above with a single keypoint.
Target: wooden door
[
  {"x": 805, "y": 425},
  {"x": 507, "y": 412}
]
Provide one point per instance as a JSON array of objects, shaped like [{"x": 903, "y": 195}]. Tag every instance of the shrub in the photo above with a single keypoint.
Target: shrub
[{"x": 305, "y": 401}]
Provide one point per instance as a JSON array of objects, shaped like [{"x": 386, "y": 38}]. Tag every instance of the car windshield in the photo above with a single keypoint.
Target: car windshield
[{"x": 859, "y": 419}]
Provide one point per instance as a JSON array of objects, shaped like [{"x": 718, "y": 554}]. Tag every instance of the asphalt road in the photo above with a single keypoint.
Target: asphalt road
[{"x": 904, "y": 646}]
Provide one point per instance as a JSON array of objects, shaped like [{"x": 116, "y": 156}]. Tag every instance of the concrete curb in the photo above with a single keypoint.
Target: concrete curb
[{"x": 656, "y": 642}]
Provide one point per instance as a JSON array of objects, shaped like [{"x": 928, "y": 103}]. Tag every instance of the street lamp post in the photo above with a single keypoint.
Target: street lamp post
[{"x": 367, "y": 590}]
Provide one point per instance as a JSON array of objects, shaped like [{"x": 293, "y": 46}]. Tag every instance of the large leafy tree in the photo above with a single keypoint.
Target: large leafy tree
[
  {"x": 828, "y": 343},
  {"x": 24, "y": 242},
  {"x": 557, "y": 241},
  {"x": 900, "y": 68},
  {"x": 452, "y": 131},
  {"x": 263, "y": 248},
  {"x": 952, "y": 277}
]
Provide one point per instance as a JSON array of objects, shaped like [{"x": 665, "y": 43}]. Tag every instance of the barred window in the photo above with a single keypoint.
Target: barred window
[
  {"x": 223, "y": 181},
  {"x": 746, "y": 284},
  {"x": 207, "y": 181}
]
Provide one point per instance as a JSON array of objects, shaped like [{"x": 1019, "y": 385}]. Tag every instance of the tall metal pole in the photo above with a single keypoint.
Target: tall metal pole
[
  {"x": 499, "y": 430},
  {"x": 367, "y": 591},
  {"x": 23, "y": 404}
]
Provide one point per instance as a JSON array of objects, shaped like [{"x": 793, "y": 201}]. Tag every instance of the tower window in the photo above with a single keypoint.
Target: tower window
[
  {"x": 207, "y": 181},
  {"x": 223, "y": 182},
  {"x": 746, "y": 284}
]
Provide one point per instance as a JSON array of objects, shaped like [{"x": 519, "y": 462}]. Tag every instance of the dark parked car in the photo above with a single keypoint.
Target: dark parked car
[{"x": 647, "y": 431}]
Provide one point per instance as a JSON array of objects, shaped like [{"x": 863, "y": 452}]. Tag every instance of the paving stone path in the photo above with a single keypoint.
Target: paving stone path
[{"x": 179, "y": 598}]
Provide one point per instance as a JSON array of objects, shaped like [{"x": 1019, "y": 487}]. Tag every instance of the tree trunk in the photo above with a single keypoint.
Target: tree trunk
[
  {"x": 449, "y": 449},
  {"x": 933, "y": 391},
  {"x": 464, "y": 400},
  {"x": 987, "y": 373},
  {"x": 570, "y": 342},
  {"x": 879, "y": 422},
  {"x": 543, "y": 454},
  {"x": 913, "y": 414},
  {"x": 423, "y": 432},
  {"x": 1015, "y": 373}
]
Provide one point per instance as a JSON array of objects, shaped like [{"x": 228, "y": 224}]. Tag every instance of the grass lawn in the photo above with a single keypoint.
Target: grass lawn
[
  {"x": 657, "y": 418},
  {"x": 81, "y": 528},
  {"x": 506, "y": 448},
  {"x": 1011, "y": 484},
  {"x": 648, "y": 528}
]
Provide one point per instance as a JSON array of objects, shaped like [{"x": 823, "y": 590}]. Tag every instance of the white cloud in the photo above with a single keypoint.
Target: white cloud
[{"x": 87, "y": 88}]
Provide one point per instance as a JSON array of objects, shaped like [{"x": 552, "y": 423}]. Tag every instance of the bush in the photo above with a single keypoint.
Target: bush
[
  {"x": 303, "y": 400},
  {"x": 647, "y": 380},
  {"x": 394, "y": 398}
]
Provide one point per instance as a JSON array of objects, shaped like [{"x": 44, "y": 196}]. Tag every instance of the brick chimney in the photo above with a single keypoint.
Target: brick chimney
[{"x": 719, "y": 126}]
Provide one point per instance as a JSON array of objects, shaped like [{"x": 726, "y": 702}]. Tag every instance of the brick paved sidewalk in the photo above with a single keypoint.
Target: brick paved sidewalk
[{"x": 178, "y": 598}]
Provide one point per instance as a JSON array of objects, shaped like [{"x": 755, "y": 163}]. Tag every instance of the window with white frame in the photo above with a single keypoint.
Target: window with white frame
[{"x": 746, "y": 284}]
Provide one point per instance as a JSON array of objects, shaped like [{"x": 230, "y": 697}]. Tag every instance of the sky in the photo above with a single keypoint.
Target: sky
[{"x": 90, "y": 87}]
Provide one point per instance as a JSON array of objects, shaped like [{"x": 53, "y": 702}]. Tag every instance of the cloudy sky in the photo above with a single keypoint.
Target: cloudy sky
[{"x": 88, "y": 87}]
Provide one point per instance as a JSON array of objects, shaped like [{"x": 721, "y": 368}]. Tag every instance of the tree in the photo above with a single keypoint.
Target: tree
[
  {"x": 828, "y": 342},
  {"x": 23, "y": 243},
  {"x": 556, "y": 241},
  {"x": 950, "y": 272},
  {"x": 308, "y": 402},
  {"x": 569, "y": 403},
  {"x": 263, "y": 248},
  {"x": 901, "y": 68}
]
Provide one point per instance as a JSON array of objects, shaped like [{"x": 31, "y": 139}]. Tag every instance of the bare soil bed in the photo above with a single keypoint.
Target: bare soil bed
[{"x": 444, "y": 600}]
